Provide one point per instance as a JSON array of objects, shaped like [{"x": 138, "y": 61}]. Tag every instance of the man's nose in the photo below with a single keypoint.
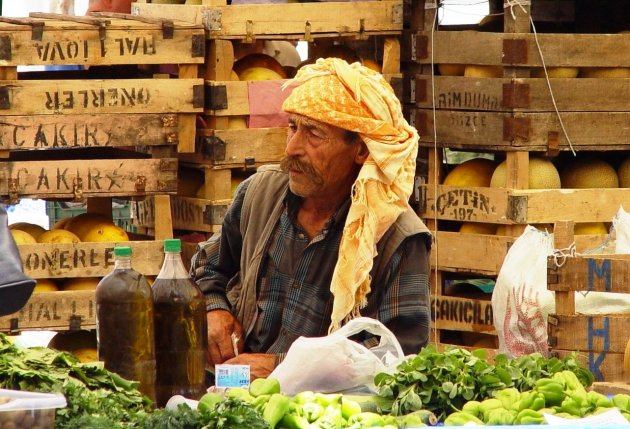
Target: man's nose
[{"x": 295, "y": 145}]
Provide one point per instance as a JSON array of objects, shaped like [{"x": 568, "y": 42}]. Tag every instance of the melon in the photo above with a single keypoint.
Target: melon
[
  {"x": 84, "y": 222},
  {"x": 542, "y": 175},
  {"x": 372, "y": 65},
  {"x": 259, "y": 67},
  {"x": 58, "y": 236},
  {"x": 590, "y": 228},
  {"x": 478, "y": 228},
  {"x": 623, "y": 172},
  {"x": 556, "y": 72},
  {"x": 80, "y": 283},
  {"x": 237, "y": 122},
  {"x": 452, "y": 69},
  {"x": 106, "y": 231},
  {"x": 473, "y": 70},
  {"x": 61, "y": 223},
  {"x": 31, "y": 228},
  {"x": 473, "y": 172},
  {"x": 605, "y": 72},
  {"x": 585, "y": 173},
  {"x": 259, "y": 73},
  {"x": 45, "y": 285},
  {"x": 22, "y": 237}
]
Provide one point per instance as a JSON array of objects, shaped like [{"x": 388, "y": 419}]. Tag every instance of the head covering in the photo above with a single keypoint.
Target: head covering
[{"x": 355, "y": 98}]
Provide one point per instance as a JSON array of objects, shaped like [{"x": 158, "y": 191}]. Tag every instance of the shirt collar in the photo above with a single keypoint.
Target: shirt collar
[{"x": 292, "y": 203}]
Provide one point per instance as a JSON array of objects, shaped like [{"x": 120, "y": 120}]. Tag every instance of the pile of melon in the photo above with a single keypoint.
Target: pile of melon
[{"x": 582, "y": 172}]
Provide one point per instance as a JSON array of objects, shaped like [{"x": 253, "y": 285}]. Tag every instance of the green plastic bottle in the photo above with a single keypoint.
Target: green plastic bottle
[
  {"x": 181, "y": 333},
  {"x": 124, "y": 323}
]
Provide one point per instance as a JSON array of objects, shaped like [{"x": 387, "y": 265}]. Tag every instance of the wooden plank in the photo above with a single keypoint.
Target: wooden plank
[
  {"x": 604, "y": 366},
  {"x": 54, "y": 97},
  {"x": 82, "y": 131},
  {"x": 600, "y": 333},
  {"x": 93, "y": 259},
  {"x": 237, "y": 98},
  {"x": 462, "y": 314},
  {"x": 190, "y": 214},
  {"x": 302, "y": 20},
  {"x": 494, "y": 131},
  {"x": 66, "y": 43},
  {"x": 92, "y": 178},
  {"x": 510, "y": 206},
  {"x": 474, "y": 253},
  {"x": 187, "y": 122},
  {"x": 57, "y": 311},
  {"x": 602, "y": 273},
  {"x": 559, "y": 50},
  {"x": 523, "y": 94}
]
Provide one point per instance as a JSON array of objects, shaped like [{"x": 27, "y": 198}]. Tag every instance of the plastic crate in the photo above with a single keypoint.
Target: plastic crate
[{"x": 121, "y": 212}]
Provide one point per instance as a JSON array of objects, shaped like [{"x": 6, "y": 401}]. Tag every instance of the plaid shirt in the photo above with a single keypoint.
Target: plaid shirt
[{"x": 293, "y": 288}]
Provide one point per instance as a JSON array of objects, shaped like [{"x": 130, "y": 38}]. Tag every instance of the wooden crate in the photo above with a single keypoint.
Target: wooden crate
[
  {"x": 293, "y": 20},
  {"x": 601, "y": 338},
  {"x": 81, "y": 106}
]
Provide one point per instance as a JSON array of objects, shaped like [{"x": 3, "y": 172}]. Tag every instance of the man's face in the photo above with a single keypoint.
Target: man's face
[
  {"x": 319, "y": 160},
  {"x": 120, "y": 6}
]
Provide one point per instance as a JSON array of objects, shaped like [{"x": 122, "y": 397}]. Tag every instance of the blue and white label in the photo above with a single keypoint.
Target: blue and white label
[{"x": 231, "y": 376}]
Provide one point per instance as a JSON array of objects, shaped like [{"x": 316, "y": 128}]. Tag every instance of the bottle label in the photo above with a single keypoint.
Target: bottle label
[{"x": 231, "y": 376}]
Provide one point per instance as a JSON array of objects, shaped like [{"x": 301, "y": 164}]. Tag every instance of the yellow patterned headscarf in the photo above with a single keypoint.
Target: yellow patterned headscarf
[{"x": 355, "y": 98}]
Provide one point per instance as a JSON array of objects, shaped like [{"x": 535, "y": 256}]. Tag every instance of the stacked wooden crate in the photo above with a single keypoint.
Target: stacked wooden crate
[
  {"x": 71, "y": 136},
  {"x": 600, "y": 339},
  {"x": 512, "y": 117},
  {"x": 223, "y": 153}
]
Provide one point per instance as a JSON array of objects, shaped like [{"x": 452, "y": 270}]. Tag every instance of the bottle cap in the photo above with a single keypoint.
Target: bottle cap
[
  {"x": 122, "y": 251},
  {"x": 172, "y": 245}
]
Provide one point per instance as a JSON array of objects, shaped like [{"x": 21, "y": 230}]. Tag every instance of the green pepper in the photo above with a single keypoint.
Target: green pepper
[
  {"x": 240, "y": 393},
  {"x": 312, "y": 411},
  {"x": 597, "y": 400},
  {"x": 487, "y": 405},
  {"x": 367, "y": 419},
  {"x": 304, "y": 397},
  {"x": 500, "y": 416},
  {"x": 264, "y": 386},
  {"x": 292, "y": 421},
  {"x": 626, "y": 415},
  {"x": 531, "y": 400},
  {"x": 417, "y": 418},
  {"x": 349, "y": 407},
  {"x": 208, "y": 401},
  {"x": 509, "y": 397},
  {"x": 276, "y": 408},
  {"x": 332, "y": 419},
  {"x": 570, "y": 381},
  {"x": 460, "y": 418},
  {"x": 622, "y": 401},
  {"x": 472, "y": 407},
  {"x": 547, "y": 411},
  {"x": 327, "y": 399},
  {"x": 571, "y": 406},
  {"x": 552, "y": 390},
  {"x": 260, "y": 402},
  {"x": 567, "y": 416},
  {"x": 529, "y": 417}
]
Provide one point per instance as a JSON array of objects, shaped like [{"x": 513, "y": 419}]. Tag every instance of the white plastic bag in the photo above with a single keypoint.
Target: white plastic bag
[
  {"x": 336, "y": 364},
  {"x": 621, "y": 223},
  {"x": 520, "y": 300}
]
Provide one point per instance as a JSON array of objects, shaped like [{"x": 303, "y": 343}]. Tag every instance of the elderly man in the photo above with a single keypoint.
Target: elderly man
[{"x": 326, "y": 237}]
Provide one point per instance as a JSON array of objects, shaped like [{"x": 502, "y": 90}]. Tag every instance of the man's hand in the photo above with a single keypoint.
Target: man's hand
[
  {"x": 221, "y": 325},
  {"x": 260, "y": 364}
]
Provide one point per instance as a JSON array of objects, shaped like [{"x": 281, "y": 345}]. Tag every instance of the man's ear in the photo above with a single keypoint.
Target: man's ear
[{"x": 362, "y": 152}]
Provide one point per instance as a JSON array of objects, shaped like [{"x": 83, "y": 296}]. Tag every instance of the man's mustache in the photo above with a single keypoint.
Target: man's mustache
[{"x": 289, "y": 163}]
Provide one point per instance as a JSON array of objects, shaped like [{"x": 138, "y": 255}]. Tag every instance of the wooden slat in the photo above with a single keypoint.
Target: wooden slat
[
  {"x": 604, "y": 366},
  {"x": 559, "y": 50},
  {"x": 494, "y": 131},
  {"x": 293, "y": 19},
  {"x": 523, "y": 95},
  {"x": 240, "y": 148},
  {"x": 601, "y": 333},
  {"x": 506, "y": 206},
  {"x": 94, "y": 259},
  {"x": 602, "y": 273},
  {"x": 80, "y": 44},
  {"x": 462, "y": 314},
  {"x": 474, "y": 253},
  {"x": 75, "y": 131},
  {"x": 54, "y": 97},
  {"x": 54, "y": 311},
  {"x": 92, "y": 178},
  {"x": 190, "y": 214}
]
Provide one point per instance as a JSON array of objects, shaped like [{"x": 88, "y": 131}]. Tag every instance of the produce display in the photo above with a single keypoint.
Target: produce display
[{"x": 453, "y": 387}]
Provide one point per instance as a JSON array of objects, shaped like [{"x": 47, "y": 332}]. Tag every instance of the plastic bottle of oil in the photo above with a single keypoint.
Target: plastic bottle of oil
[
  {"x": 181, "y": 336},
  {"x": 124, "y": 323}
]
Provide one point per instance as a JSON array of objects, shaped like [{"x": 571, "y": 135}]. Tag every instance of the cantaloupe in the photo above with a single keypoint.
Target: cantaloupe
[
  {"x": 478, "y": 228},
  {"x": 584, "y": 173},
  {"x": 623, "y": 172},
  {"x": 473, "y": 172},
  {"x": 259, "y": 73},
  {"x": 84, "y": 222},
  {"x": 474, "y": 70},
  {"x": 556, "y": 72},
  {"x": 31, "y": 228},
  {"x": 605, "y": 72},
  {"x": 45, "y": 285},
  {"x": 590, "y": 228},
  {"x": 542, "y": 175},
  {"x": 80, "y": 283},
  {"x": 106, "y": 231},
  {"x": 452, "y": 69},
  {"x": 58, "y": 236},
  {"x": 22, "y": 237}
]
